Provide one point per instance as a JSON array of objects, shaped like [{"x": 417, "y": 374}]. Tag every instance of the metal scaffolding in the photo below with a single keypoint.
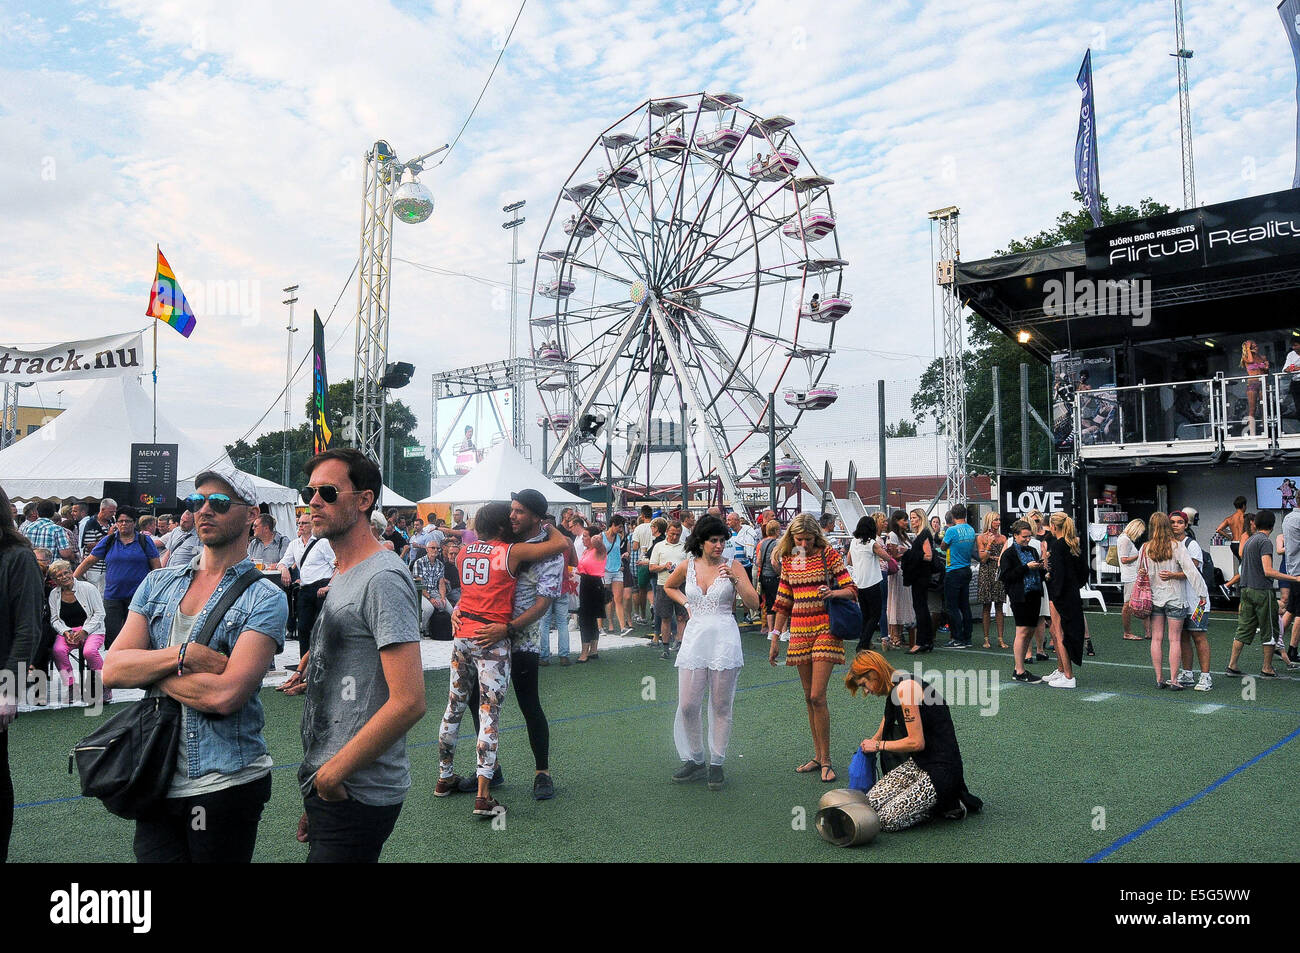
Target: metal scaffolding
[
  {"x": 954, "y": 350},
  {"x": 1184, "y": 109},
  {"x": 381, "y": 181},
  {"x": 382, "y": 176},
  {"x": 509, "y": 375}
]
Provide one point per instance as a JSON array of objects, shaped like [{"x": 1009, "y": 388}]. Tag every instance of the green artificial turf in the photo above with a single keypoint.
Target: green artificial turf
[{"x": 1052, "y": 767}]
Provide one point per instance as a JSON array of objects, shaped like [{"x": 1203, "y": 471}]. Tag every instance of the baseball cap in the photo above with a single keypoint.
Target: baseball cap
[
  {"x": 531, "y": 500},
  {"x": 238, "y": 481}
]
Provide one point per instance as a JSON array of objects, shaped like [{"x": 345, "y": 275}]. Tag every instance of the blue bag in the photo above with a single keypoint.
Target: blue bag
[{"x": 862, "y": 771}]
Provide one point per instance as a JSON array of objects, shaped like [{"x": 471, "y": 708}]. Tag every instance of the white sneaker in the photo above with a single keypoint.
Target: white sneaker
[
  {"x": 1056, "y": 673},
  {"x": 1186, "y": 678},
  {"x": 1062, "y": 682},
  {"x": 1205, "y": 684}
]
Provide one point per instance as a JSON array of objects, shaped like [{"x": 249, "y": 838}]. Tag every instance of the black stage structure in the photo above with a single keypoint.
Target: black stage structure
[{"x": 1143, "y": 324}]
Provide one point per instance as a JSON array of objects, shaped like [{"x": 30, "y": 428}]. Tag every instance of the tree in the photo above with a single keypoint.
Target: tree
[
  {"x": 987, "y": 347},
  {"x": 904, "y": 428},
  {"x": 264, "y": 456}
]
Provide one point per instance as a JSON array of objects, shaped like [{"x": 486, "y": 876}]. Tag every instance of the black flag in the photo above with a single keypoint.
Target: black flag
[{"x": 320, "y": 428}]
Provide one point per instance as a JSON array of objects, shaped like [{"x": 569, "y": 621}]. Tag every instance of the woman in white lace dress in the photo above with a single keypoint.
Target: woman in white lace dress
[{"x": 710, "y": 657}]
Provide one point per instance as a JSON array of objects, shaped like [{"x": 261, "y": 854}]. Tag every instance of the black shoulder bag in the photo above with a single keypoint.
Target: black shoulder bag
[{"x": 128, "y": 761}]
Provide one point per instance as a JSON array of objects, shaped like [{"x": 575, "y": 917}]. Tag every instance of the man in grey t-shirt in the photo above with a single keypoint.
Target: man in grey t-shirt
[
  {"x": 183, "y": 543},
  {"x": 363, "y": 678},
  {"x": 1258, "y": 609}
]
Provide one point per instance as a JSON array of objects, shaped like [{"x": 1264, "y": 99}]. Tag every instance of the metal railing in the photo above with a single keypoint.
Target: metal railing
[{"x": 1253, "y": 412}]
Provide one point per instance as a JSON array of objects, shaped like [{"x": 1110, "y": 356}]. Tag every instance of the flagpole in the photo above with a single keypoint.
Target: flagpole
[
  {"x": 155, "y": 369},
  {"x": 155, "y": 380}
]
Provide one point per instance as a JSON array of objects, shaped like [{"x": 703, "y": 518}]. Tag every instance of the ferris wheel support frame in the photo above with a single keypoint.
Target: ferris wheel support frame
[
  {"x": 686, "y": 387},
  {"x": 631, "y": 327}
]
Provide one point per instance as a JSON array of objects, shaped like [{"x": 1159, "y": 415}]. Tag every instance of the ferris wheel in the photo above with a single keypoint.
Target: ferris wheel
[{"x": 690, "y": 261}]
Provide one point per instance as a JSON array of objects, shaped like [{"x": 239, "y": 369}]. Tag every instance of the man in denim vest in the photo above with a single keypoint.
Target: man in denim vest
[{"x": 222, "y": 777}]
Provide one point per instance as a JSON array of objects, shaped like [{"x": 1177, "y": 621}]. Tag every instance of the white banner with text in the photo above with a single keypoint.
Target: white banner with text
[{"x": 119, "y": 355}]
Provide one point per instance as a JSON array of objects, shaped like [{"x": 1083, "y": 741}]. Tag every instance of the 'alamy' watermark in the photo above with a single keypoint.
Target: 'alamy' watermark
[
  {"x": 76, "y": 906},
  {"x": 960, "y": 687},
  {"x": 1086, "y": 297}
]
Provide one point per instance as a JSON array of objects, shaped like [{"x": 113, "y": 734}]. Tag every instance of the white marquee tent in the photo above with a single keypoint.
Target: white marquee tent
[
  {"x": 72, "y": 456},
  {"x": 501, "y": 472}
]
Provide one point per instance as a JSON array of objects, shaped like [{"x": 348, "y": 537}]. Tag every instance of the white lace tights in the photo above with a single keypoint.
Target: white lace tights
[{"x": 688, "y": 726}]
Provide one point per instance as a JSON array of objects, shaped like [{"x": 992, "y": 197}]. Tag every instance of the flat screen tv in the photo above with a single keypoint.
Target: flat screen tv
[{"x": 1277, "y": 493}]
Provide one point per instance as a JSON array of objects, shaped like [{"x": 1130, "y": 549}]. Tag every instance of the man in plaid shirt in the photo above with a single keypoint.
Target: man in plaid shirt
[{"x": 44, "y": 533}]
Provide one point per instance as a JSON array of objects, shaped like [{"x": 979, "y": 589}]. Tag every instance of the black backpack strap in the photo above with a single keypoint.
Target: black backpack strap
[{"x": 228, "y": 599}]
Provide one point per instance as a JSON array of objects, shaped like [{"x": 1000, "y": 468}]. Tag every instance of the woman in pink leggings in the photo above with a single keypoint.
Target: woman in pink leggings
[{"x": 77, "y": 615}]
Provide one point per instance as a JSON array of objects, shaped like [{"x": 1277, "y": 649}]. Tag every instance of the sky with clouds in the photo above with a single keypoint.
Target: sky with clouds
[{"x": 232, "y": 134}]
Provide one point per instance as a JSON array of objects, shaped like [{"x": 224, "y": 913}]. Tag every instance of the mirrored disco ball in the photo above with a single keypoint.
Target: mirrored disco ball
[{"x": 412, "y": 203}]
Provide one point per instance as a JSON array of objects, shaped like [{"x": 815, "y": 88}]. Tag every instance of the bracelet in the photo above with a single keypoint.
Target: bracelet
[{"x": 180, "y": 659}]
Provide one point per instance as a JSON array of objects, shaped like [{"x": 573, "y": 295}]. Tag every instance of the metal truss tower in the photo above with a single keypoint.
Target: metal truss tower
[
  {"x": 381, "y": 182},
  {"x": 954, "y": 350},
  {"x": 375, "y": 264},
  {"x": 1184, "y": 110}
]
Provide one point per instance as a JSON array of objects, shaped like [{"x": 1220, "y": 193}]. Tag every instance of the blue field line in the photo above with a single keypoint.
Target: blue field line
[
  {"x": 1134, "y": 835},
  {"x": 470, "y": 735}
]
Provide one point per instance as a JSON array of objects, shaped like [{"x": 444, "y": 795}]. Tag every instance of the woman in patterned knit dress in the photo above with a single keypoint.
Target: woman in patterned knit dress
[
  {"x": 807, "y": 561},
  {"x": 991, "y": 593}
]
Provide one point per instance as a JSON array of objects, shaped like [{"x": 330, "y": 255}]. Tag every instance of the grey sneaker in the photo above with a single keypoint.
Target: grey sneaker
[
  {"x": 691, "y": 771},
  {"x": 1205, "y": 683},
  {"x": 715, "y": 777},
  {"x": 1186, "y": 678},
  {"x": 543, "y": 787}
]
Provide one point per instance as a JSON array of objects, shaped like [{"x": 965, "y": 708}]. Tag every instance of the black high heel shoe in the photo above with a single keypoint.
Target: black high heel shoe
[{"x": 1088, "y": 647}]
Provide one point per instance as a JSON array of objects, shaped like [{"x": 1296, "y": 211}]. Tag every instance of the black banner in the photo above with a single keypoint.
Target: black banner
[
  {"x": 1263, "y": 226},
  {"x": 1019, "y": 493},
  {"x": 153, "y": 474}
]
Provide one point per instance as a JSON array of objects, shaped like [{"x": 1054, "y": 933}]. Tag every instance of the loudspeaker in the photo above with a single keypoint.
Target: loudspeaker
[{"x": 120, "y": 490}]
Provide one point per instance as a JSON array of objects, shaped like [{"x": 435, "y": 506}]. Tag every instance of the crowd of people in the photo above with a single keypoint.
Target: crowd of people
[
  {"x": 131, "y": 594},
  {"x": 128, "y": 594}
]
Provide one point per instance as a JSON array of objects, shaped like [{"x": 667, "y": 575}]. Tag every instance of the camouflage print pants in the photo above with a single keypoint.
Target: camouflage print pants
[{"x": 493, "y": 667}]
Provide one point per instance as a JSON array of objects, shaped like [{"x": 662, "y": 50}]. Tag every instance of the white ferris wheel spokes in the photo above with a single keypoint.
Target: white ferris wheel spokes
[{"x": 691, "y": 260}]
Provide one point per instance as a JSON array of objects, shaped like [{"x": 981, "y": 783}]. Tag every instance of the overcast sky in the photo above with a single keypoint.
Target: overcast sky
[{"x": 232, "y": 134}]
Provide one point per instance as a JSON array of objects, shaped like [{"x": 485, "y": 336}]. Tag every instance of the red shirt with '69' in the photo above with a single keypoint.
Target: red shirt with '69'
[{"x": 487, "y": 589}]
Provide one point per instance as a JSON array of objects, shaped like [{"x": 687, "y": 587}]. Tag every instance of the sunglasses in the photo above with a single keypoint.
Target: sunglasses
[
  {"x": 328, "y": 494},
  {"x": 219, "y": 502}
]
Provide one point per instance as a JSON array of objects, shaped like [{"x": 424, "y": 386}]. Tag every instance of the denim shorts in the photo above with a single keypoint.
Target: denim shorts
[{"x": 1172, "y": 611}]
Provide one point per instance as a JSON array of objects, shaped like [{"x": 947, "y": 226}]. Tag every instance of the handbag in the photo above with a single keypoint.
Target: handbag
[
  {"x": 1112, "y": 556},
  {"x": 128, "y": 761},
  {"x": 845, "y": 614},
  {"x": 862, "y": 771},
  {"x": 1139, "y": 602}
]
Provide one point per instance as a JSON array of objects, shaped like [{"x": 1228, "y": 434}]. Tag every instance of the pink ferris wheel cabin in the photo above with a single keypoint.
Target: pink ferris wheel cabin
[
  {"x": 721, "y": 140},
  {"x": 826, "y": 309},
  {"x": 774, "y": 167},
  {"x": 811, "y": 226}
]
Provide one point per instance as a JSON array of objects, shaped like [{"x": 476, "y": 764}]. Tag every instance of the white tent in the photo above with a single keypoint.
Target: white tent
[
  {"x": 391, "y": 497},
  {"x": 501, "y": 472},
  {"x": 72, "y": 456}
]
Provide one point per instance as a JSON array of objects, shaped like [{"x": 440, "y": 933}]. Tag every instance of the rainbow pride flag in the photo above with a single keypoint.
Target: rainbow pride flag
[{"x": 166, "y": 300}]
